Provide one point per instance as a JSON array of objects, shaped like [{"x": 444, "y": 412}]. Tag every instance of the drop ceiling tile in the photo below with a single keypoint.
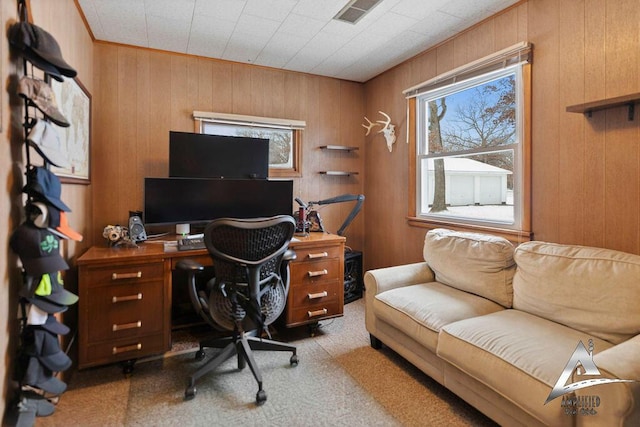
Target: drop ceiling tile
[
  {"x": 301, "y": 26},
  {"x": 243, "y": 47},
  {"x": 323, "y": 10},
  {"x": 418, "y": 9},
  {"x": 93, "y": 19},
  {"x": 229, "y": 10},
  {"x": 391, "y": 24},
  {"x": 276, "y": 10},
  {"x": 168, "y": 34},
  {"x": 342, "y": 29},
  {"x": 202, "y": 44},
  {"x": 462, "y": 9},
  {"x": 439, "y": 23},
  {"x": 280, "y": 50},
  {"x": 170, "y": 9},
  {"x": 324, "y": 44},
  {"x": 120, "y": 20},
  {"x": 256, "y": 26}
]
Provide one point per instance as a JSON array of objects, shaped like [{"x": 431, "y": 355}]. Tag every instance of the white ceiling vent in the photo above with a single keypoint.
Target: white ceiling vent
[{"x": 355, "y": 10}]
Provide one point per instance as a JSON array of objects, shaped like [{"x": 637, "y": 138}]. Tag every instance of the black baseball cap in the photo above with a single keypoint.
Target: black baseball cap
[
  {"x": 40, "y": 48},
  {"x": 38, "y": 249}
]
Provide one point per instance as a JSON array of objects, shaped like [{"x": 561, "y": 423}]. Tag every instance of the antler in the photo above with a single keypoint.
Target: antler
[
  {"x": 368, "y": 128},
  {"x": 382, "y": 122}
]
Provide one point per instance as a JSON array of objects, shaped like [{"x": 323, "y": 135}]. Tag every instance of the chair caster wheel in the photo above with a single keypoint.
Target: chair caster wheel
[
  {"x": 200, "y": 354},
  {"x": 189, "y": 393},
  {"x": 294, "y": 360},
  {"x": 261, "y": 397}
]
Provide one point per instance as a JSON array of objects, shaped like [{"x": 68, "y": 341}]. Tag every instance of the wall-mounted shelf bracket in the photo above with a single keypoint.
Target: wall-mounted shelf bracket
[{"x": 588, "y": 108}]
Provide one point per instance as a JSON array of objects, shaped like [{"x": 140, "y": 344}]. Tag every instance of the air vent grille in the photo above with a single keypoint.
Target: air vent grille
[{"x": 355, "y": 10}]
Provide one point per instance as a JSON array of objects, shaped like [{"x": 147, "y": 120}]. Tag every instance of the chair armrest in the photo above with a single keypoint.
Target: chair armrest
[
  {"x": 619, "y": 402},
  {"x": 189, "y": 265},
  {"x": 384, "y": 279},
  {"x": 289, "y": 255}
]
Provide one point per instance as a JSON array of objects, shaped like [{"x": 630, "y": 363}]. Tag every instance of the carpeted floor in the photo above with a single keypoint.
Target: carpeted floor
[{"x": 340, "y": 381}]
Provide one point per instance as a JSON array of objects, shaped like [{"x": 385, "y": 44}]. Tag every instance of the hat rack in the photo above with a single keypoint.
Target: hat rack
[{"x": 39, "y": 388}]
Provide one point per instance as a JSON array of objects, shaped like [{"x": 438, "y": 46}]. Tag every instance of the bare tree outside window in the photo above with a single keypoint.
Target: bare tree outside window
[{"x": 468, "y": 164}]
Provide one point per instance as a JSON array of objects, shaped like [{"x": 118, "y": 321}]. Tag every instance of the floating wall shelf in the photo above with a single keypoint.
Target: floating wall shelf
[
  {"x": 337, "y": 173},
  {"x": 338, "y": 147},
  {"x": 627, "y": 100}
]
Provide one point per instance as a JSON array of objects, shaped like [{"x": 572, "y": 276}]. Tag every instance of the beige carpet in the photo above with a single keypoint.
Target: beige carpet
[{"x": 340, "y": 381}]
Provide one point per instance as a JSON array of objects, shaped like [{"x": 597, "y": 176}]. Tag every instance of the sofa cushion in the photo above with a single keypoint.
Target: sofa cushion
[
  {"x": 590, "y": 289},
  {"x": 472, "y": 262},
  {"x": 420, "y": 311},
  {"x": 516, "y": 354}
]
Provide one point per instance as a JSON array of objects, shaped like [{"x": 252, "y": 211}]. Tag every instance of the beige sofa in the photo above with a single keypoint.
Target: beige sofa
[{"x": 500, "y": 326}]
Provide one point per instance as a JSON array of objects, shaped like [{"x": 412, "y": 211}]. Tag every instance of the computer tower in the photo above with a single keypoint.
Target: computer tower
[{"x": 353, "y": 282}]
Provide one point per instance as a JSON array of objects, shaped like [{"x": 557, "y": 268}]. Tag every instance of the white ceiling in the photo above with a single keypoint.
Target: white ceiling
[{"x": 297, "y": 35}]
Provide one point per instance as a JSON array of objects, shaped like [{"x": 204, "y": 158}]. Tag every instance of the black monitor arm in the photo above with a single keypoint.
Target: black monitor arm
[{"x": 339, "y": 199}]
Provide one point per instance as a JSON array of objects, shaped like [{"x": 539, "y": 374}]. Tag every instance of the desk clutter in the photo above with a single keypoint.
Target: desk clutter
[{"x": 37, "y": 240}]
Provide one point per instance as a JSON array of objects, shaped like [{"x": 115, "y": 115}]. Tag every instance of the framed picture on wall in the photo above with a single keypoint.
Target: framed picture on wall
[{"x": 74, "y": 102}]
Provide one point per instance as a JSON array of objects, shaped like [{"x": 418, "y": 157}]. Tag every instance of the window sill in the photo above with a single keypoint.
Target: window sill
[{"x": 514, "y": 236}]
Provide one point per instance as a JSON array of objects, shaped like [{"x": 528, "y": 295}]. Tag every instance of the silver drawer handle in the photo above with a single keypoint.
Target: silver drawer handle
[
  {"x": 318, "y": 255},
  {"x": 122, "y": 276},
  {"x": 124, "y": 326},
  {"x": 318, "y": 273},
  {"x": 126, "y": 348},
  {"x": 318, "y": 295},
  {"x": 126, "y": 298},
  {"x": 317, "y": 312}
]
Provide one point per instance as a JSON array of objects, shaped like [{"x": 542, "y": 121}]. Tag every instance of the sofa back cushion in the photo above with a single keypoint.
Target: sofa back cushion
[
  {"x": 593, "y": 290},
  {"x": 472, "y": 262}
]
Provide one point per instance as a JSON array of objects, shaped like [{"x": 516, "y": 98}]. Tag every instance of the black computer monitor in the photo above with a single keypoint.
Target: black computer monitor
[
  {"x": 197, "y": 201},
  {"x": 196, "y": 155}
]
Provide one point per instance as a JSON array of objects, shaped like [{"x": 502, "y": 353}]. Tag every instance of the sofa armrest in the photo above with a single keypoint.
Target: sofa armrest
[
  {"x": 621, "y": 360},
  {"x": 384, "y": 279},
  {"x": 619, "y": 402}
]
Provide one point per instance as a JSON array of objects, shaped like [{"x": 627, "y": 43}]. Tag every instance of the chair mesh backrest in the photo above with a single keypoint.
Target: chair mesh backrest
[
  {"x": 239, "y": 248},
  {"x": 234, "y": 244}
]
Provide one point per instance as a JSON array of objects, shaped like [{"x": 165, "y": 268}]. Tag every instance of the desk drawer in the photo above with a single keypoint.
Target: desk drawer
[
  {"x": 313, "y": 294},
  {"x": 311, "y": 254},
  {"x": 124, "y": 349},
  {"x": 126, "y": 310},
  {"x": 105, "y": 276},
  {"x": 307, "y": 272},
  {"x": 312, "y": 313}
]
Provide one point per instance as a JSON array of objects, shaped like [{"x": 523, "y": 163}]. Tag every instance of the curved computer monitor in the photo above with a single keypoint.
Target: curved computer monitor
[
  {"x": 197, "y": 155},
  {"x": 197, "y": 201}
]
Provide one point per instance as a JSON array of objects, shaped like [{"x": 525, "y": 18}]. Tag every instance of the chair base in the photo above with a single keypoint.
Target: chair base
[{"x": 242, "y": 345}]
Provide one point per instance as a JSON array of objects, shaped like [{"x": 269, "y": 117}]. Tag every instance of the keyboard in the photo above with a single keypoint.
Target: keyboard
[{"x": 191, "y": 244}]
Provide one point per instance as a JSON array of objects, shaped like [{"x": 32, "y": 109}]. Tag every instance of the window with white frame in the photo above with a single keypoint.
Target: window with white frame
[{"x": 471, "y": 147}]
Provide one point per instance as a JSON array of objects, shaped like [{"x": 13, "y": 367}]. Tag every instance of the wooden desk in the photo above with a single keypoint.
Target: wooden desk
[{"x": 125, "y": 295}]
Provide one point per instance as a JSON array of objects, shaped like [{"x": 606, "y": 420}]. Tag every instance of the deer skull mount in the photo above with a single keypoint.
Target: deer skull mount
[{"x": 388, "y": 129}]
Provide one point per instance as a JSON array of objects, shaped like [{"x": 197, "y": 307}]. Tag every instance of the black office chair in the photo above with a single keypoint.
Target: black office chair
[{"x": 249, "y": 291}]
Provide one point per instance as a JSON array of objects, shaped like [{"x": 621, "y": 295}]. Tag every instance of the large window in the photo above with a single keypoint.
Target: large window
[{"x": 471, "y": 151}]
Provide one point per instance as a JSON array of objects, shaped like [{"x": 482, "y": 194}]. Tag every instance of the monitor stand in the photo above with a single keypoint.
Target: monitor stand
[{"x": 183, "y": 229}]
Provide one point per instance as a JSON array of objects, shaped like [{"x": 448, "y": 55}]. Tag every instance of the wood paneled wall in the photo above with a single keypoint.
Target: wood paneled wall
[
  {"x": 142, "y": 94},
  {"x": 585, "y": 171}
]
